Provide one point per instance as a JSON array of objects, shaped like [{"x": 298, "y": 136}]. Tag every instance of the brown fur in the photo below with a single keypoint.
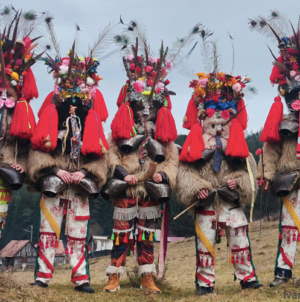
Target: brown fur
[
  {"x": 194, "y": 177},
  {"x": 279, "y": 157},
  {"x": 38, "y": 160},
  {"x": 130, "y": 162}
]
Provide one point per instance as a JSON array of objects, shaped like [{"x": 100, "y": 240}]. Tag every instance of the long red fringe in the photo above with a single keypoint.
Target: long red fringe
[
  {"x": 122, "y": 95},
  {"x": 190, "y": 117},
  {"x": 48, "y": 101},
  {"x": 237, "y": 145},
  {"x": 165, "y": 127},
  {"x": 94, "y": 141},
  {"x": 100, "y": 106},
  {"x": 30, "y": 90},
  {"x": 23, "y": 124},
  {"x": 45, "y": 135},
  {"x": 270, "y": 132},
  {"x": 193, "y": 145},
  {"x": 242, "y": 116},
  {"x": 122, "y": 126}
]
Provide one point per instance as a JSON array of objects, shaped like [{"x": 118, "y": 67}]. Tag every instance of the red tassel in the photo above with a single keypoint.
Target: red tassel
[
  {"x": 270, "y": 132},
  {"x": 45, "y": 135},
  {"x": 220, "y": 233},
  {"x": 48, "y": 101},
  {"x": 94, "y": 141},
  {"x": 122, "y": 95},
  {"x": 71, "y": 250},
  {"x": 298, "y": 238},
  {"x": 193, "y": 146},
  {"x": 206, "y": 262},
  {"x": 249, "y": 256},
  {"x": 23, "y": 123},
  {"x": 237, "y": 145},
  {"x": 280, "y": 236},
  {"x": 29, "y": 86},
  {"x": 47, "y": 244},
  {"x": 288, "y": 239},
  {"x": 242, "y": 116},
  {"x": 237, "y": 258},
  {"x": 82, "y": 249},
  {"x": 242, "y": 259},
  {"x": 125, "y": 240},
  {"x": 67, "y": 250},
  {"x": 190, "y": 117},
  {"x": 165, "y": 128},
  {"x": 140, "y": 236},
  {"x": 294, "y": 237},
  {"x": 232, "y": 259},
  {"x": 100, "y": 106},
  {"x": 88, "y": 247},
  {"x": 122, "y": 125},
  {"x": 201, "y": 262}
]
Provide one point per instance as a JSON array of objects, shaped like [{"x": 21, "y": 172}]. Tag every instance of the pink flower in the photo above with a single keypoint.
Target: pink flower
[
  {"x": 129, "y": 58},
  {"x": 151, "y": 60},
  {"x": 158, "y": 90},
  {"x": 149, "y": 69},
  {"x": 203, "y": 82},
  {"x": 65, "y": 61},
  {"x": 169, "y": 65},
  {"x": 225, "y": 114},
  {"x": 18, "y": 62},
  {"x": 210, "y": 112},
  {"x": 293, "y": 73},
  {"x": 141, "y": 83},
  {"x": 160, "y": 85},
  {"x": 236, "y": 87},
  {"x": 137, "y": 87}
]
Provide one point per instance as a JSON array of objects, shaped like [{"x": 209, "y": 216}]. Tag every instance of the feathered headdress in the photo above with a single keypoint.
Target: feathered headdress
[
  {"x": 146, "y": 83},
  {"x": 17, "y": 44},
  {"x": 216, "y": 95},
  {"x": 285, "y": 72},
  {"x": 74, "y": 76}
]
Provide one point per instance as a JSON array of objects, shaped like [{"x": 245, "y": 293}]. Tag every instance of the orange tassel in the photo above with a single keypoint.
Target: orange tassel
[{"x": 117, "y": 242}]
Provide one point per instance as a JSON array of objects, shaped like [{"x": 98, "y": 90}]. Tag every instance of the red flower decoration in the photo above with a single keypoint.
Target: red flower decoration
[
  {"x": 258, "y": 151},
  {"x": 138, "y": 70},
  {"x": 132, "y": 66},
  {"x": 167, "y": 82},
  {"x": 150, "y": 82},
  {"x": 139, "y": 58},
  {"x": 215, "y": 99},
  {"x": 225, "y": 114},
  {"x": 296, "y": 105},
  {"x": 210, "y": 112}
]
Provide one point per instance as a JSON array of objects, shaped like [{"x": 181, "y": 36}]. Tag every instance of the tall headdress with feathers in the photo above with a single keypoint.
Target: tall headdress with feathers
[
  {"x": 76, "y": 81},
  {"x": 18, "y": 41},
  {"x": 285, "y": 72},
  {"x": 146, "y": 86},
  {"x": 218, "y": 96}
]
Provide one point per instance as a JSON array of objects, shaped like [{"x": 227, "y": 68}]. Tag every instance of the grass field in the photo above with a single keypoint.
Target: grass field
[{"x": 178, "y": 282}]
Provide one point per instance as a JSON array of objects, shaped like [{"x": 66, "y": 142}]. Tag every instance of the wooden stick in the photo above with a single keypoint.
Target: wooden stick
[{"x": 193, "y": 205}]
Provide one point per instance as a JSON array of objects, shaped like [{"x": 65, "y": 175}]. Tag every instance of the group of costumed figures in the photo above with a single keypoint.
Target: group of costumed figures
[{"x": 66, "y": 157}]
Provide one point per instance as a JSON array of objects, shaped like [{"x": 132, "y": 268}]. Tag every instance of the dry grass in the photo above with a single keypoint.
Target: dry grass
[{"x": 178, "y": 284}]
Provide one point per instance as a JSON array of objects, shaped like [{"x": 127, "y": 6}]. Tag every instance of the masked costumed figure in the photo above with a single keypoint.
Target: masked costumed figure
[
  {"x": 279, "y": 166},
  {"x": 144, "y": 160},
  {"x": 17, "y": 88},
  {"x": 216, "y": 173},
  {"x": 68, "y": 162}
]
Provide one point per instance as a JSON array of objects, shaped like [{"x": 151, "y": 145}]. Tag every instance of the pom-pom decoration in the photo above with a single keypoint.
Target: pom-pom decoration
[{"x": 165, "y": 130}]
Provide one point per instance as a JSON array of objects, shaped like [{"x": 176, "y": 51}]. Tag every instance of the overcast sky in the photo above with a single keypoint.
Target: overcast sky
[{"x": 168, "y": 20}]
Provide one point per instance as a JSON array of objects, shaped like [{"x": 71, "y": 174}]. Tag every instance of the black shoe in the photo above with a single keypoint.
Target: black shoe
[
  {"x": 252, "y": 284},
  {"x": 201, "y": 291},
  {"x": 279, "y": 281},
  {"x": 39, "y": 284},
  {"x": 85, "y": 288}
]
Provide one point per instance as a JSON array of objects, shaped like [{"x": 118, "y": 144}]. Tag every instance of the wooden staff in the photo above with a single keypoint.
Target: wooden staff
[{"x": 193, "y": 205}]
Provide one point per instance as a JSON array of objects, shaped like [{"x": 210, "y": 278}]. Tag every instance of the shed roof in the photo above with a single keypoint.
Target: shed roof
[{"x": 12, "y": 248}]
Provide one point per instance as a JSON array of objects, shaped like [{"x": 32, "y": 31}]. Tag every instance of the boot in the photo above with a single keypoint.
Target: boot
[
  {"x": 148, "y": 283},
  {"x": 279, "y": 281},
  {"x": 113, "y": 283},
  {"x": 85, "y": 288},
  {"x": 252, "y": 284},
  {"x": 201, "y": 290},
  {"x": 39, "y": 284}
]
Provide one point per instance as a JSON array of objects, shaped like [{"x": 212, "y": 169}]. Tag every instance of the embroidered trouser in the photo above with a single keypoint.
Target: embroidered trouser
[
  {"x": 129, "y": 220},
  {"x": 289, "y": 235},
  {"x": 238, "y": 244},
  {"x": 52, "y": 213}
]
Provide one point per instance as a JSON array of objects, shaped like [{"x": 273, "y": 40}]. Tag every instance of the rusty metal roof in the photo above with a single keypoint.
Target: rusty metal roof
[
  {"x": 12, "y": 248},
  {"x": 61, "y": 249}
]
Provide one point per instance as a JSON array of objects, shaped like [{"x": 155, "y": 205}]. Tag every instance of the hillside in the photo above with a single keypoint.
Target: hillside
[{"x": 178, "y": 283}]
